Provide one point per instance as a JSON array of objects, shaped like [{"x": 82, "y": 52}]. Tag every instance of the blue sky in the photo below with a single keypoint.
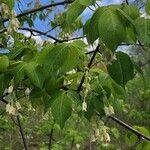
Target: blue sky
[{"x": 43, "y": 25}]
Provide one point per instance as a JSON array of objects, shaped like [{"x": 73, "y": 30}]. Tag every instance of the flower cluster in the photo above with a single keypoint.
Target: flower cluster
[
  {"x": 87, "y": 88},
  {"x": 13, "y": 23},
  {"x": 12, "y": 107},
  {"x": 11, "y": 14},
  {"x": 100, "y": 133},
  {"x": 5, "y": 10},
  {"x": 109, "y": 110}
]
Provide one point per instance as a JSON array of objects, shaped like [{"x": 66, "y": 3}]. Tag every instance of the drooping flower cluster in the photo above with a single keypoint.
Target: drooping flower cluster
[
  {"x": 4, "y": 10},
  {"x": 86, "y": 89},
  {"x": 100, "y": 133},
  {"x": 13, "y": 23},
  {"x": 12, "y": 107},
  {"x": 109, "y": 110}
]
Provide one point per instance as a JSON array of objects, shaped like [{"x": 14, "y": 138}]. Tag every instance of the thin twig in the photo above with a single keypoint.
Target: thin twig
[
  {"x": 142, "y": 46},
  {"x": 52, "y": 37},
  {"x": 127, "y": 2},
  {"x": 88, "y": 66},
  {"x": 40, "y": 9},
  {"x": 20, "y": 127},
  {"x": 21, "y": 132},
  {"x": 139, "y": 134},
  {"x": 50, "y": 138}
]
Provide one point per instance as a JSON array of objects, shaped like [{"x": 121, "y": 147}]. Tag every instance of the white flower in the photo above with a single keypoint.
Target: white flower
[
  {"x": 109, "y": 110},
  {"x": 7, "y": 107},
  {"x": 97, "y": 133},
  {"x": 13, "y": 13},
  {"x": 106, "y": 137},
  {"x": 93, "y": 139},
  {"x": 13, "y": 23},
  {"x": 71, "y": 72},
  {"x": 10, "y": 89},
  {"x": 5, "y": 10},
  {"x": 77, "y": 146},
  {"x": 27, "y": 92},
  {"x": 84, "y": 106},
  {"x": 10, "y": 109},
  {"x": 18, "y": 106}
]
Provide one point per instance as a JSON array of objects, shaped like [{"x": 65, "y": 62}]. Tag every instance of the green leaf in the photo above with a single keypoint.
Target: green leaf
[
  {"x": 86, "y": 2},
  {"x": 53, "y": 84},
  {"x": 143, "y": 30},
  {"x": 121, "y": 70},
  {"x": 98, "y": 104},
  {"x": 4, "y": 63},
  {"x": 35, "y": 74},
  {"x": 141, "y": 73},
  {"x": 147, "y": 7},
  {"x": 112, "y": 30},
  {"x": 132, "y": 11},
  {"x": 63, "y": 57},
  {"x": 91, "y": 26},
  {"x": 40, "y": 99},
  {"x": 19, "y": 73},
  {"x": 115, "y": 132},
  {"x": 10, "y": 3},
  {"x": 131, "y": 139},
  {"x": 105, "y": 82},
  {"x": 4, "y": 82},
  {"x": 143, "y": 130},
  {"x": 41, "y": 56},
  {"x": 61, "y": 108},
  {"x": 16, "y": 53},
  {"x": 130, "y": 34},
  {"x": 74, "y": 11}
]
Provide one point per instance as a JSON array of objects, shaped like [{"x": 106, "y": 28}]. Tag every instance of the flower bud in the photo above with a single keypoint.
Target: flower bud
[
  {"x": 10, "y": 89},
  {"x": 84, "y": 106}
]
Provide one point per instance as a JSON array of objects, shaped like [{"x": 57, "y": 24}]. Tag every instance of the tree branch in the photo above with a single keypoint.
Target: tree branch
[
  {"x": 50, "y": 138},
  {"x": 21, "y": 132},
  {"x": 139, "y": 134},
  {"x": 41, "y": 8},
  {"x": 89, "y": 65},
  {"x": 40, "y": 32},
  {"x": 127, "y": 2},
  {"x": 20, "y": 127}
]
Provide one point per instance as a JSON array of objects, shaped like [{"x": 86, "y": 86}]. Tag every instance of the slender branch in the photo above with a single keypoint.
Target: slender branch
[
  {"x": 139, "y": 134},
  {"x": 128, "y": 44},
  {"x": 40, "y": 9},
  {"x": 20, "y": 127},
  {"x": 50, "y": 138},
  {"x": 4, "y": 101},
  {"x": 52, "y": 37},
  {"x": 142, "y": 46},
  {"x": 21, "y": 132},
  {"x": 40, "y": 32},
  {"x": 127, "y": 2},
  {"x": 89, "y": 65}
]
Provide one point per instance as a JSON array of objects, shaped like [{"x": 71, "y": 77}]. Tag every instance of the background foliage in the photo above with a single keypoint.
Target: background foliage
[{"x": 85, "y": 85}]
